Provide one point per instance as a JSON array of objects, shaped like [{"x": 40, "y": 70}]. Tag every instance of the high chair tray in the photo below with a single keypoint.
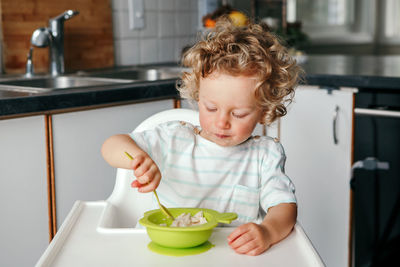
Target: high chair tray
[{"x": 78, "y": 243}]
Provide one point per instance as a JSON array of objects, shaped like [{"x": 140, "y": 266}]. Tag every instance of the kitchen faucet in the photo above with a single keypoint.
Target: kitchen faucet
[{"x": 52, "y": 36}]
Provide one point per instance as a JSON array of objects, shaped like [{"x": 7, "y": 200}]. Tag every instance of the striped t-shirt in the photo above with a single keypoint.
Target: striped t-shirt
[{"x": 247, "y": 178}]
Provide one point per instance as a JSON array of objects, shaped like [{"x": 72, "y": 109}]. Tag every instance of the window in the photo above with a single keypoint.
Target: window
[
  {"x": 391, "y": 25},
  {"x": 337, "y": 21},
  {"x": 326, "y": 13}
]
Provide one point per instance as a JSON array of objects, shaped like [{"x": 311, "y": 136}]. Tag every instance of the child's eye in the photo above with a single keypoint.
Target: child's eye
[
  {"x": 211, "y": 109},
  {"x": 239, "y": 115}
]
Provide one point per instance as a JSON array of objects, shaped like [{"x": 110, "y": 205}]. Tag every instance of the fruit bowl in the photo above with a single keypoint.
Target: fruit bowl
[{"x": 160, "y": 232}]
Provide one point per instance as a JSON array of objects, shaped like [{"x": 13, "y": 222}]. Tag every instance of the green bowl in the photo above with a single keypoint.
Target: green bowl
[{"x": 182, "y": 237}]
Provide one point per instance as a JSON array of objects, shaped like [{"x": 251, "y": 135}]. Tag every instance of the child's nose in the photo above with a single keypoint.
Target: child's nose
[{"x": 223, "y": 121}]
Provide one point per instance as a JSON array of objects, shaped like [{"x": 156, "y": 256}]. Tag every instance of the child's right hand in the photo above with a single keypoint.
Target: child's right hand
[{"x": 147, "y": 173}]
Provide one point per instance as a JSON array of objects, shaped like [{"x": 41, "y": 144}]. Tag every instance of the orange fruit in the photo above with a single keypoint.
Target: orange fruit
[
  {"x": 238, "y": 18},
  {"x": 209, "y": 23}
]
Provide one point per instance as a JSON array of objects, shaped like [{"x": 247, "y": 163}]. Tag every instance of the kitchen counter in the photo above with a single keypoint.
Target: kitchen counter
[
  {"x": 380, "y": 73},
  {"x": 363, "y": 72},
  {"x": 21, "y": 103}
]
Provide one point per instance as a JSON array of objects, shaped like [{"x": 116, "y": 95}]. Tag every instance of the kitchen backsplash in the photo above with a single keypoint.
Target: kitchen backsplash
[
  {"x": 88, "y": 37},
  {"x": 169, "y": 26}
]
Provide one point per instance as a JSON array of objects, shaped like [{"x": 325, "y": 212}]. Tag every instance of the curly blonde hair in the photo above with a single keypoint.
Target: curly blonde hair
[{"x": 249, "y": 51}]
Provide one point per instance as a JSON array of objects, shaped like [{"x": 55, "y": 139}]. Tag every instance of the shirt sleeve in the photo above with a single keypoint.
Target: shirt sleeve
[
  {"x": 154, "y": 142},
  {"x": 276, "y": 186}
]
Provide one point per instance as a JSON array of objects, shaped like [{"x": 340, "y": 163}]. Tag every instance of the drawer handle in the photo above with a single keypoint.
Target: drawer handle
[
  {"x": 377, "y": 112},
  {"x": 335, "y": 118}
]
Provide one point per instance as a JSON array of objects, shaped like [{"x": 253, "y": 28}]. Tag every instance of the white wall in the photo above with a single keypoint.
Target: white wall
[{"x": 169, "y": 25}]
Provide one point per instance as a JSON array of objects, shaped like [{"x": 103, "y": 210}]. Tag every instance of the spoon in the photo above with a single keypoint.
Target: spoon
[{"x": 162, "y": 207}]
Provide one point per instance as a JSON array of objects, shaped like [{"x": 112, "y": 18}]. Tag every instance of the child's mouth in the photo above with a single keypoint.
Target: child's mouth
[{"x": 222, "y": 136}]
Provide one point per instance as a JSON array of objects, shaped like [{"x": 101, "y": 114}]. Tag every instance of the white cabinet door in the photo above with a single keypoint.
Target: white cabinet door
[
  {"x": 320, "y": 169},
  {"x": 24, "y": 233},
  {"x": 80, "y": 171}
]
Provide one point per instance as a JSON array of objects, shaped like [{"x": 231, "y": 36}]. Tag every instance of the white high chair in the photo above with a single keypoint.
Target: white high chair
[{"x": 103, "y": 233}]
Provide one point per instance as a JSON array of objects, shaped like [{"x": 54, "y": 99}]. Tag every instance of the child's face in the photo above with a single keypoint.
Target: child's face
[{"x": 227, "y": 107}]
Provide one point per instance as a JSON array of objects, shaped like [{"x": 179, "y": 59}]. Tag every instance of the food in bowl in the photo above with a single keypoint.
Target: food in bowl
[{"x": 186, "y": 220}]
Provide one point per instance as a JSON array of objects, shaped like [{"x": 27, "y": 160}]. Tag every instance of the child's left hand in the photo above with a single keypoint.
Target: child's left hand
[{"x": 250, "y": 239}]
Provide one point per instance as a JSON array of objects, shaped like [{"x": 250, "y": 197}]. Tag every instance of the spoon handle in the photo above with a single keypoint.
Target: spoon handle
[
  {"x": 163, "y": 208},
  {"x": 129, "y": 155},
  {"x": 158, "y": 200}
]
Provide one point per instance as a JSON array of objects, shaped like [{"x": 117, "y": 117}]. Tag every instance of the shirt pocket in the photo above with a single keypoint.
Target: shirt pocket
[{"x": 245, "y": 202}]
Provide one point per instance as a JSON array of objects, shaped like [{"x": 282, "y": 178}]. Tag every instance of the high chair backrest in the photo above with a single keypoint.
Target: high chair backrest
[{"x": 130, "y": 203}]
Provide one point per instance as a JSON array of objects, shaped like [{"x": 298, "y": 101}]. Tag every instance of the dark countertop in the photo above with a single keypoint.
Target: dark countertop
[
  {"x": 380, "y": 73},
  {"x": 364, "y": 72},
  {"x": 19, "y": 103}
]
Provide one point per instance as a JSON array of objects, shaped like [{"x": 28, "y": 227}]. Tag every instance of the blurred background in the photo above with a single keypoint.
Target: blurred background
[
  {"x": 106, "y": 33},
  {"x": 337, "y": 26}
]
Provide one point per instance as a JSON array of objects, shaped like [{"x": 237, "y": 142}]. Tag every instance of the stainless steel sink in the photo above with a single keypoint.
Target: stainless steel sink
[
  {"x": 83, "y": 79},
  {"x": 41, "y": 84},
  {"x": 140, "y": 74}
]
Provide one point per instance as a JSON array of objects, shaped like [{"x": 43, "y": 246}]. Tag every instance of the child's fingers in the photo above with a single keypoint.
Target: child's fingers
[
  {"x": 146, "y": 173},
  {"x": 246, "y": 248},
  {"x": 146, "y": 188},
  {"x": 256, "y": 251},
  {"x": 136, "y": 184},
  {"x": 152, "y": 185},
  {"x": 140, "y": 172},
  {"x": 248, "y": 239},
  {"x": 137, "y": 161},
  {"x": 242, "y": 243},
  {"x": 242, "y": 229},
  {"x": 142, "y": 168}
]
